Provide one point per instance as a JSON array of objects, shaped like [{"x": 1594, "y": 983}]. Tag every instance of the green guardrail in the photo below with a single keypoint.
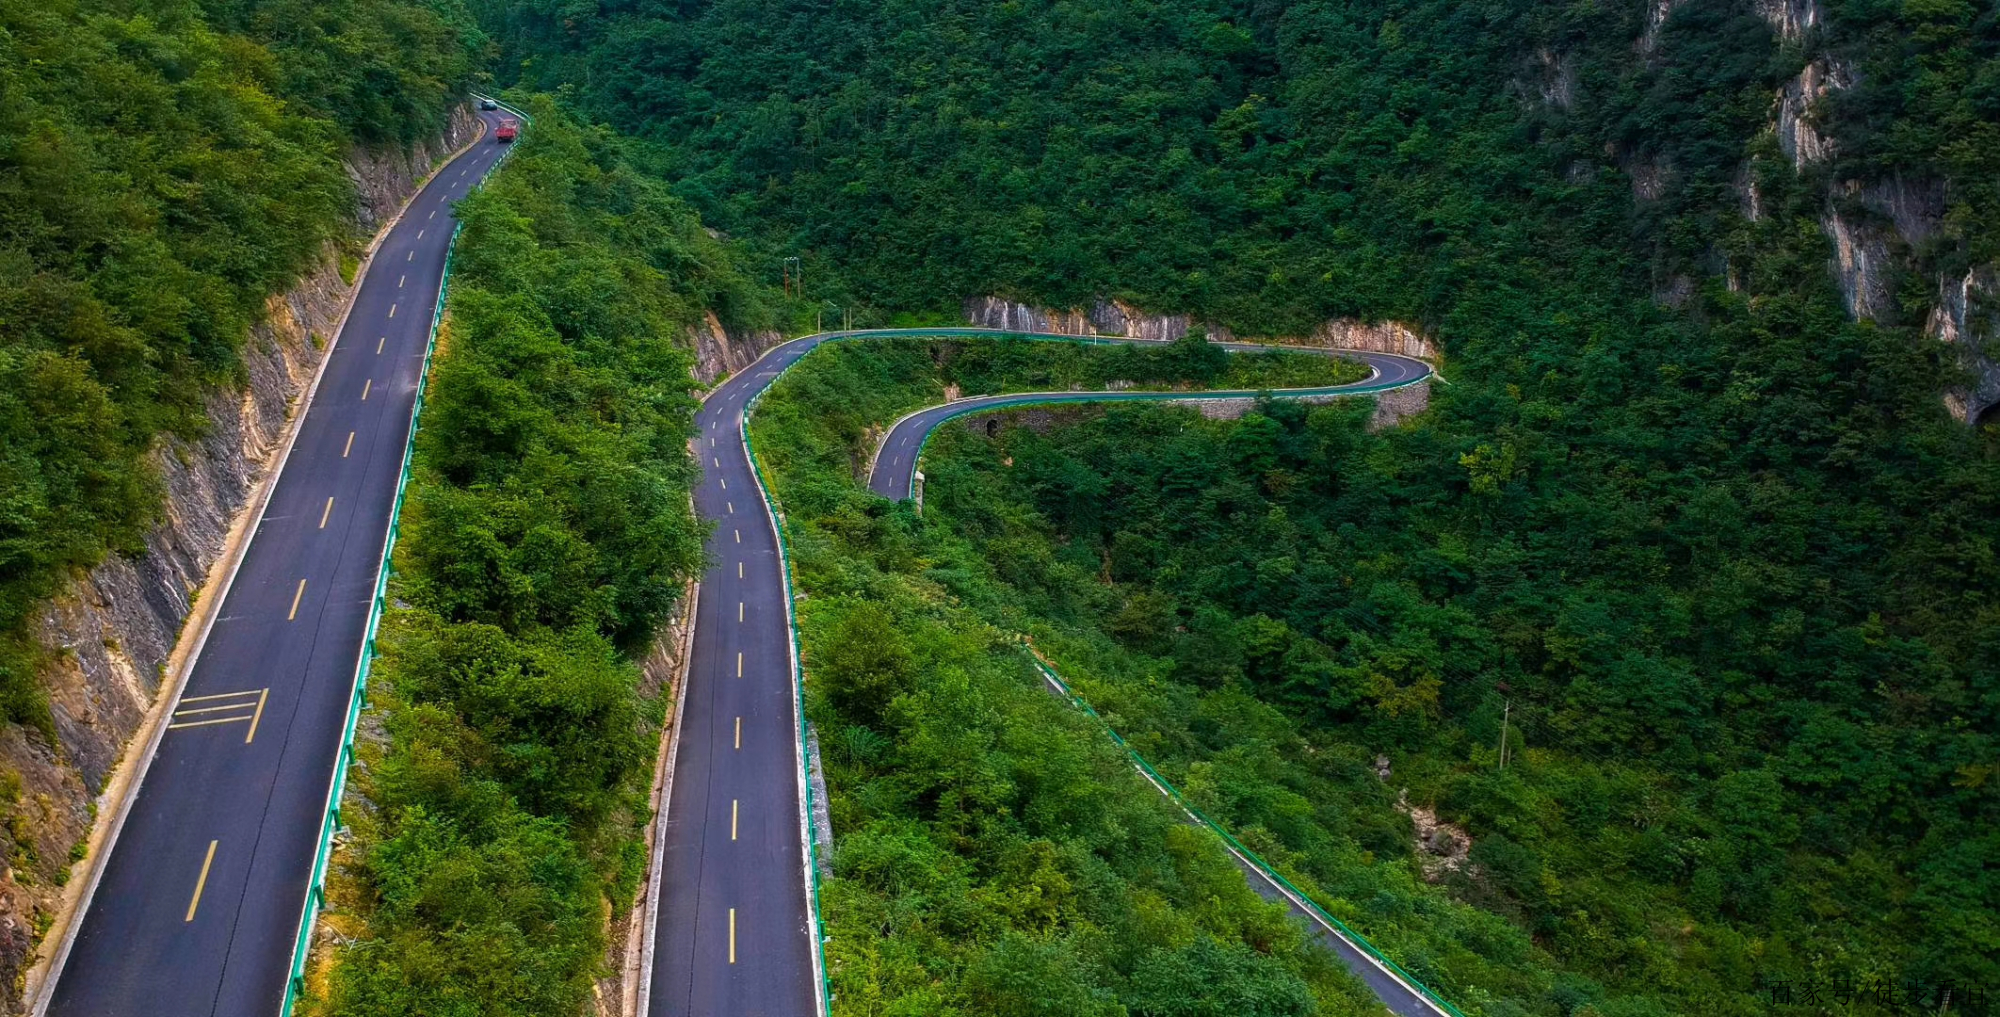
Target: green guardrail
[
  {"x": 358, "y": 699},
  {"x": 1026, "y": 399},
  {"x": 825, "y": 989},
  {"x": 1167, "y": 787}
]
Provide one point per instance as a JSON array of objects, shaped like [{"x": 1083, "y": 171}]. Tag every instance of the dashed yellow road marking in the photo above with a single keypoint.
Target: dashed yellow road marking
[
  {"x": 325, "y": 512},
  {"x": 739, "y": 732},
  {"x": 412, "y": 256},
  {"x": 257, "y": 717},
  {"x": 739, "y": 663},
  {"x": 202, "y": 882},
  {"x": 739, "y": 536},
  {"x": 732, "y": 818},
  {"x": 732, "y": 933},
  {"x": 365, "y": 387},
  {"x": 301, "y": 592},
  {"x": 724, "y": 481},
  {"x": 718, "y": 464},
  {"x": 401, "y": 279},
  {"x": 420, "y": 233},
  {"x": 379, "y": 343},
  {"x": 433, "y": 215},
  {"x": 392, "y": 310},
  {"x": 349, "y": 447},
  {"x": 739, "y": 611},
  {"x": 739, "y": 570}
]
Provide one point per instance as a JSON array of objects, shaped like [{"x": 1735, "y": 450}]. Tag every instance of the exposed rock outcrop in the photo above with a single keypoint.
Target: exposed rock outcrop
[
  {"x": 1656, "y": 19},
  {"x": 719, "y": 351},
  {"x": 1798, "y": 134},
  {"x": 1110, "y": 318},
  {"x": 1103, "y": 318},
  {"x": 1442, "y": 848},
  {"x": 1861, "y": 265},
  {"x": 1968, "y": 318},
  {"x": 113, "y": 630}
]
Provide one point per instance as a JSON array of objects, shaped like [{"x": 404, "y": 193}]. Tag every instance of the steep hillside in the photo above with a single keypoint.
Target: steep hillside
[{"x": 1709, "y": 497}]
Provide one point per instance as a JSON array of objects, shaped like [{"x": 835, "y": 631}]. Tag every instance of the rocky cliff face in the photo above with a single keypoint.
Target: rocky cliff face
[
  {"x": 1110, "y": 318},
  {"x": 720, "y": 351},
  {"x": 112, "y": 633},
  {"x": 1968, "y": 318},
  {"x": 1878, "y": 231}
]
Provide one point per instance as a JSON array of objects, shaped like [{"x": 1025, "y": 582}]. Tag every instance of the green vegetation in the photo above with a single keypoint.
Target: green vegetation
[
  {"x": 1263, "y": 606},
  {"x": 547, "y": 533},
  {"x": 164, "y": 168},
  {"x": 1719, "y": 540},
  {"x": 995, "y": 854}
]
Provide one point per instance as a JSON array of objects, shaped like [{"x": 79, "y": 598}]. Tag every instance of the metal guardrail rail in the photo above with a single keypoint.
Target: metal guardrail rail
[
  {"x": 1173, "y": 793},
  {"x": 358, "y": 699}
]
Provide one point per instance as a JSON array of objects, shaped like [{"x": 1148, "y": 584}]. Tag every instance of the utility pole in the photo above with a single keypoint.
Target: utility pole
[{"x": 1506, "y": 715}]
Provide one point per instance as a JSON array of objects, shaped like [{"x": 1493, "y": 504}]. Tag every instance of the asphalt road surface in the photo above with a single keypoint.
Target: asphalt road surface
[
  {"x": 734, "y": 930},
  {"x": 199, "y": 902},
  {"x": 893, "y": 472}
]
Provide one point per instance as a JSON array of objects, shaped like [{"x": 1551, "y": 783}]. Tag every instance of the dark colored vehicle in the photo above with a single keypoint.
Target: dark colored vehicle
[
  {"x": 488, "y": 104},
  {"x": 508, "y": 129}
]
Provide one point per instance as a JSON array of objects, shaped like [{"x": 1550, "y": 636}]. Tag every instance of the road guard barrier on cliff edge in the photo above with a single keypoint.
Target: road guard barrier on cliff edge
[{"x": 1173, "y": 793}]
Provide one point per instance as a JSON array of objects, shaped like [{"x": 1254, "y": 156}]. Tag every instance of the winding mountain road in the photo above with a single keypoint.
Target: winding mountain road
[
  {"x": 733, "y": 934},
  {"x": 196, "y": 907}
]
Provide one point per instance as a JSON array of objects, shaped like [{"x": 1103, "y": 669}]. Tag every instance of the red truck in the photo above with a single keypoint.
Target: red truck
[{"x": 508, "y": 129}]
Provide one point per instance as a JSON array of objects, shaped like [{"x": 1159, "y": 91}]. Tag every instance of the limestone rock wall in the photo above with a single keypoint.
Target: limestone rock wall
[
  {"x": 1115, "y": 319},
  {"x": 720, "y": 351}
]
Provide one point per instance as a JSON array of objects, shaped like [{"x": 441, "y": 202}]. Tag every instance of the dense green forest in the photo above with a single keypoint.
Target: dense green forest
[
  {"x": 1261, "y": 607},
  {"x": 1716, "y": 542},
  {"x": 164, "y": 168},
  {"x": 547, "y": 533}
]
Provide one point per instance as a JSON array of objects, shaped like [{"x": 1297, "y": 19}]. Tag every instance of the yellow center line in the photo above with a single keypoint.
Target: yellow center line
[
  {"x": 732, "y": 818},
  {"x": 739, "y": 732},
  {"x": 732, "y": 932},
  {"x": 295, "y": 601},
  {"x": 739, "y": 610},
  {"x": 725, "y": 482},
  {"x": 350, "y": 445},
  {"x": 412, "y": 256},
  {"x": 392, "y": 310},
  {"x": 325, "y": 512},
  {"x": 420, "y": 233},
  {"x": 379, "y": 343},
  {"x": 739, "y": 536},
  {"x": 255, "y": 717},
  {"x": 718, "y": 463},
  {"x": 739, "y": 570},
  {"x": 202, "y": 881},
  {"x": 365, "y": 386},
  {"x": 401, "y": 279},
  {"x": 739, "y": 663}
]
